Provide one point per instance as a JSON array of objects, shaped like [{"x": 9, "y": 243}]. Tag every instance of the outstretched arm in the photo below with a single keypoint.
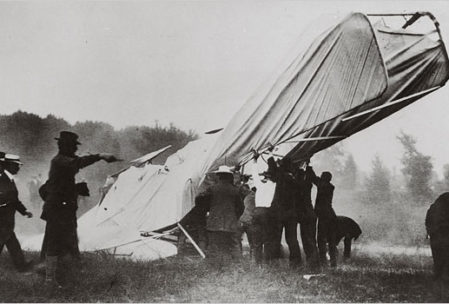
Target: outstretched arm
[{"x": 310, "y": 174}]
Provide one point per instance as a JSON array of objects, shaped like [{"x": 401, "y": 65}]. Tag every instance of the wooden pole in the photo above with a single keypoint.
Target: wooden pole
[{"x": 193, "y": 242}]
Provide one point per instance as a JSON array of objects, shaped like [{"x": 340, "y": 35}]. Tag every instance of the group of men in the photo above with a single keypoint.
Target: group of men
[
  {"x": 227, "y": 209},
  {"x": 60, "y": 194}
]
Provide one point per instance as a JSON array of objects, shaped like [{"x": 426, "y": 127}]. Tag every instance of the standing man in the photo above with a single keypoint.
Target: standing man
[
  {"x": 327, "y": 219},
  {"x": 306, "y": 215},
  {"x": 437, "y": 226},
  {"x": 225, "y": 206},
  {"x": 284, "y": 207},
  {"x": 9, "y": 204},
  {"x": 60, "y": 196}
]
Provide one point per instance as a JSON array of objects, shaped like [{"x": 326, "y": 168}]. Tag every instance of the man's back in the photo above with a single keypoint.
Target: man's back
[
  {"x": 225, "y": 207},
  {"x": 347, "y": 227}
]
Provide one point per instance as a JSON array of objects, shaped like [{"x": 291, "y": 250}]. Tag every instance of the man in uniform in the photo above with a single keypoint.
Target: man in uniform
[
  {"x": 224, "y": 203},
  {"x": 9, "y": 204},
  {"x": 60, "y": 196}
]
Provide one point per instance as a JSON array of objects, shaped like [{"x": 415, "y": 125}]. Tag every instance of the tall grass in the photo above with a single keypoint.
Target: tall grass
[{"x": 103, "y": 278}]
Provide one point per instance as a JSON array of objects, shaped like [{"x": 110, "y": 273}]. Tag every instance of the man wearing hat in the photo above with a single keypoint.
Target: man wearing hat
[
  {"x": 9, "y": 204},
  {"x": 225, "y": 206},
  {"x": 60, "y": 195}
]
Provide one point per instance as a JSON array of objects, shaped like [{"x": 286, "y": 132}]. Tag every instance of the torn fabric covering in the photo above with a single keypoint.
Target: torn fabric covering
[
  {"x": 415, "y": 63},
  {"x": 353, "y": 67},
  {"x": 340, "y": 70}
]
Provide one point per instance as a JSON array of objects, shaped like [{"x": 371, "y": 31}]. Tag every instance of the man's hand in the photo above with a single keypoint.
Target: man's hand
[
  {"x": 108, "y": 157},
  {"x": 28, "y": 214}
]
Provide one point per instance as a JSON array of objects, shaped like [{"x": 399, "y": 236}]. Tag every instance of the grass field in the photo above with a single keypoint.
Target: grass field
[{"x": 366, "y": 278}]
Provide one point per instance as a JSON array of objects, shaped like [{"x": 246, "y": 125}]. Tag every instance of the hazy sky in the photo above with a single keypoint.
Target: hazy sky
[{"x": 193, "y": 63}]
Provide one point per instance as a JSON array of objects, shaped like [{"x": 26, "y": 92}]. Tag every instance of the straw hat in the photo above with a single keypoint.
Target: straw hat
[{"x": 223, "y": 169}]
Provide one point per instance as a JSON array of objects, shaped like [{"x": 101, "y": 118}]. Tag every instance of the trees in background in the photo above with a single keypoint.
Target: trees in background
[
  {"x": 378, "y": 183},
  {"x": 32, "y": 137},
  {"x": 350, "y": 173},
  {"x": 417, "y": 169}
]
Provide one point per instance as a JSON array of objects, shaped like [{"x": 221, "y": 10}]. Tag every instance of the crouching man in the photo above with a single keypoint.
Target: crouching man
[{"x": 348, "y": 230}]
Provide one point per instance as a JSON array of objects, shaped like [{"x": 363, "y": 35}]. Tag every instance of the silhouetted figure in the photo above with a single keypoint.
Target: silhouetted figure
[
  {"x": 437, "y": 226},
  {"x": 348, "y": 230},
  {"x": 9, "y": 204},
  {"x": 306, "y": 216},
  {"x": 327, "y": 219},
  {"x": 60, "y": 194},
  {"x": 284, "y": 207}
]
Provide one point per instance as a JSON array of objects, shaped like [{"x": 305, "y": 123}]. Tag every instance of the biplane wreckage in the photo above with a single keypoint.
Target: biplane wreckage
[{"x": 343, "y": 77}]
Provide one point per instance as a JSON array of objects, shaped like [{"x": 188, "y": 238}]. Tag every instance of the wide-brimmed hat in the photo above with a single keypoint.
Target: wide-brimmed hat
[
  {"x": 67, "y": 136},
  {"x": 223, "y": 170},
  {"x": 12, "y": 158}
]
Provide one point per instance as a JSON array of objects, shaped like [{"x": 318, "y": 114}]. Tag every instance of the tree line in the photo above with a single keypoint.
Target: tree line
[
  {"x": 389, "y": 203},
  {"x": 32, "y": 137}
]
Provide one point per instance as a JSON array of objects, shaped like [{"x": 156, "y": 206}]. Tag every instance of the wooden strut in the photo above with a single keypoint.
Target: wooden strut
[
  {"x": 193, "y": 242},
  {"x": 315, "y": 138},
  {"x": 391, "y": 103}
]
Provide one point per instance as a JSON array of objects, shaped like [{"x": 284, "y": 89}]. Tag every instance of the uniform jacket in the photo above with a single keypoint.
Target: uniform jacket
[
  {"x": 9, "y": 204},
  {"x": 60, "y": 188},
  {"x": 324, "y": 196},
  {"x": 225, "y": 207}
]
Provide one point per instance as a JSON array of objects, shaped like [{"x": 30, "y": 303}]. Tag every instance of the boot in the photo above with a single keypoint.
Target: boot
[{"x": 51, "y": 263}]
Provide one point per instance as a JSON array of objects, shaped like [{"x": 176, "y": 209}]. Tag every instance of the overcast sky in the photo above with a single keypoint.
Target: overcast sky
[{"x": 193, "y": 63}]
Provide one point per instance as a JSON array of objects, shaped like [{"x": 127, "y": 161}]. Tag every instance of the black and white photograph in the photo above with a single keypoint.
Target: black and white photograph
[{"x": 195, "y": 151}]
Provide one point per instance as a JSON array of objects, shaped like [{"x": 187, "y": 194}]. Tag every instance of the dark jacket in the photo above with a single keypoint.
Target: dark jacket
[
  {"x": 437, "y": 217},
  {"x": 285, "y": 195},
  {"x": 324, "y": 196},
  {"x": 347, "y": 228},
  {"x": 225, "y": 207},
  {"x": 304, "y": 196},
  {"x": 9, "y": 204},
  {"x": 60, "y": 188}
]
